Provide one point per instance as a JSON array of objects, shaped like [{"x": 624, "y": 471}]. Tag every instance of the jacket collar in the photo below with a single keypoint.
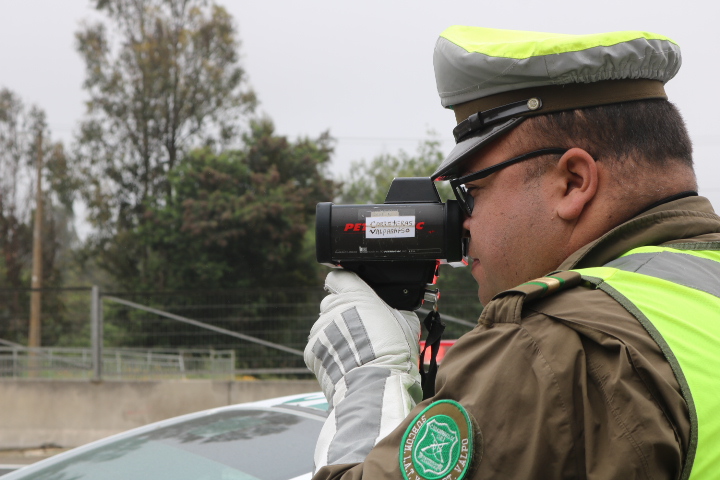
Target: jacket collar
[{"x": 669, "y": 222}]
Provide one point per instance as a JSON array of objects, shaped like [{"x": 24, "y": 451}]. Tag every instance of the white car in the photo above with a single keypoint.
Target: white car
[{"x": 267, "y": 440}]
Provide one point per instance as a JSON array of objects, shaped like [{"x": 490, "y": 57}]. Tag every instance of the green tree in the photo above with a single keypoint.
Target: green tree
[
  {"x": 240, "y": 218},
  {"x": 16, "y": 130},
  {"x": 163, "y": 77},
  {"x": 20, "y": 128},
  {"x": 369, "y": 181}
]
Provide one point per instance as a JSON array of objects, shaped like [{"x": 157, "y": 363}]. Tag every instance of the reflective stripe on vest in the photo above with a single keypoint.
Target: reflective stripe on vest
[{"x": 675, "y": 294}]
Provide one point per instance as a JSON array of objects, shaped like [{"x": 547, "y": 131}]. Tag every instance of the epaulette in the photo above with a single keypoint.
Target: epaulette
[{"x": 544, "y": 286}]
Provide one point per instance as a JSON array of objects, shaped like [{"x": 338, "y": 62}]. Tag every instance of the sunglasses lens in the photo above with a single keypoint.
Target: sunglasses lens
[{"x": 466, "y": 200}]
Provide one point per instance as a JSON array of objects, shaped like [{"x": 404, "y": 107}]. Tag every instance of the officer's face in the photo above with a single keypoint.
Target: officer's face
[{"x": 515, "y": 235}]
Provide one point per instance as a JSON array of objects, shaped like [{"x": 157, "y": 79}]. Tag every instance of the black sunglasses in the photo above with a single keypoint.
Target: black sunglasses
[{"x": 467, "y": 201}]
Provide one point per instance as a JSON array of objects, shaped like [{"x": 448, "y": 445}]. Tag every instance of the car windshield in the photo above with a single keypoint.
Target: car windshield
[{"x": 235, "y": 445}]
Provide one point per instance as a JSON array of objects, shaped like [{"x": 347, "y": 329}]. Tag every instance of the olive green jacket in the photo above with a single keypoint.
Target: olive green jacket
[{"x": 569, "y": 385}]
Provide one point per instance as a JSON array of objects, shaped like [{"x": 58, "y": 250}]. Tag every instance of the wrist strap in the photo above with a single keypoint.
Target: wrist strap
[{"x": 435, "y": 328}]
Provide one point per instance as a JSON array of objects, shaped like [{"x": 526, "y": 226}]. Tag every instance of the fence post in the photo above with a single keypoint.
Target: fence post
[
  {"x": 96, "y": 317},
  {"x": 181, "y": 363}
]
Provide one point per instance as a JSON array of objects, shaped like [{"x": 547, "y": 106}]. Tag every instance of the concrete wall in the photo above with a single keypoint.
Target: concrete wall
[{"x": 71, "y": 413}]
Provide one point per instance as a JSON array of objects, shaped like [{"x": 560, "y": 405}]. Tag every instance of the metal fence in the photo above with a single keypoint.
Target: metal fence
[
  {"x": 274, "y": 324},
  {"x": 117, "y": 364},
  {"x": 65, "y": 316},
  {"x": 266, "y": 330}
]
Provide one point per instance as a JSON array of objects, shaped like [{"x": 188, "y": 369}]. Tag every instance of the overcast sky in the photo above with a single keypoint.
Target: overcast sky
[{"x": 363, "y": 70}]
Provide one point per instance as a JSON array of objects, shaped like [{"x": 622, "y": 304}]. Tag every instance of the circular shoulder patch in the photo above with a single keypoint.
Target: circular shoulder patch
[{"x": 438, "y": 444}]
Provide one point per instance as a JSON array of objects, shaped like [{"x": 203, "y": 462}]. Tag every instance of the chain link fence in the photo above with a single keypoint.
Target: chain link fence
[
  {"x": 65, "y": 316},
  {"x": 273, "y": 325},
  {"x": 280, "y": 317}
]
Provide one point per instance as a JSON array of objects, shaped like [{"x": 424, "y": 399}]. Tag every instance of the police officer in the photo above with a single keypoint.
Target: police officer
[{"x": 598, "y": 350}]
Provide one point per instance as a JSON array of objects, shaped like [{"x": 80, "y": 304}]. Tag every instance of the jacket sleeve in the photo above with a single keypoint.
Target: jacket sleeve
[{"x": 549, "y": 400}]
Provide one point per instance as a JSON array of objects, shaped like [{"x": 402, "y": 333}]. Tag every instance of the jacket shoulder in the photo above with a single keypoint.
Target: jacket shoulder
[
  {"x": 507, "y": 306},
  {"x": 545, "y": 286}
]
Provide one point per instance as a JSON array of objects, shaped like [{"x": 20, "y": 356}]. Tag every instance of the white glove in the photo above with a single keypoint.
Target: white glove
[{"x": 365, "y": 356}]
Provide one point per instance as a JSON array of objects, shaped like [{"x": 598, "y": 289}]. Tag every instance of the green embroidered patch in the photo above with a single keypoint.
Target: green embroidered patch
[{"x": 438, "y": 445}]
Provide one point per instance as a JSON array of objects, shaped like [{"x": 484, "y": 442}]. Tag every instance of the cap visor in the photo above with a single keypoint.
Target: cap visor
[{"x": 451, "y": 167}]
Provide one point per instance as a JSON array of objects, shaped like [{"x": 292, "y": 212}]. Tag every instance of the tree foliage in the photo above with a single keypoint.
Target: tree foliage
[
  {"x": 163, "y": 77},
  {"x": 369, "y": 181},
  {"x": 239, "y": 218},
  {"x": 15, "y": 201},
  {"x": 21, "y": 128}
]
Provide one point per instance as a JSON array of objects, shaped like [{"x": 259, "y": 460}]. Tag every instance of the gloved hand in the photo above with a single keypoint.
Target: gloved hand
[{"x": 365, "y": 356}]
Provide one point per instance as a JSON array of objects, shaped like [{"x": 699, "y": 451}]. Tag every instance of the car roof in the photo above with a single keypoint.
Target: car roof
[
  {"x": 309, "y": 405},
  {"x": 314, "y": 400}
]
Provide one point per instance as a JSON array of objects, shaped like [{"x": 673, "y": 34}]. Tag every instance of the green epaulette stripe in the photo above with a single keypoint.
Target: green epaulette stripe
[
  {"x": 543, "y": 286},
  {"x": 539, "y": 284}
]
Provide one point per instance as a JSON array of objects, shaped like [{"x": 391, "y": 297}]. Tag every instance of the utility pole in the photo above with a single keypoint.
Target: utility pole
[{"x": 37, "y": 271}]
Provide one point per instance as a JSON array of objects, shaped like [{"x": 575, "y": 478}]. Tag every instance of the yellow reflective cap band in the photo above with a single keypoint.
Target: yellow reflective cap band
[{"x": 521, "y": 45}]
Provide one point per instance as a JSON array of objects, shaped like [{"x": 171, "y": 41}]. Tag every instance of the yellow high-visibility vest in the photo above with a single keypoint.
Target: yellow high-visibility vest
[{"x": 675, "y": 294}]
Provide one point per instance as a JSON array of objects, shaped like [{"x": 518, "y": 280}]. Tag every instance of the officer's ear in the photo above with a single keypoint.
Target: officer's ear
[{"x": 577, "y": 183}]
